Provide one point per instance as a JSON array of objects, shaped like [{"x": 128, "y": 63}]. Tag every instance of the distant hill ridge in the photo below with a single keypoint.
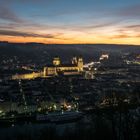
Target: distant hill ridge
[{"x": 45, "y": 52}]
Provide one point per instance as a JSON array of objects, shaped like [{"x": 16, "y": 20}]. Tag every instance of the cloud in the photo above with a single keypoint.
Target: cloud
[
  {"x": 26, "y": 34},
  {"x": 7, "y": 14},
  {"x": 124, "y": 36},
  {"x": 131, "y": 11},
  {"x": 7, "y": 26},
  {"x": 101, "y": 25},
  {"x": 129, "y": 30},
  {"x": 120, "y": 36},
  {"x": 135, "y": 28},
  {"x": 57, "y": 36}
]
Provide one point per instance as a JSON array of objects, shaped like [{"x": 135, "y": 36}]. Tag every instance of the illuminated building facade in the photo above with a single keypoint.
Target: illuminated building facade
[
  {"x": 104, "y": 57},
  {"x": 57, "y": 67}
]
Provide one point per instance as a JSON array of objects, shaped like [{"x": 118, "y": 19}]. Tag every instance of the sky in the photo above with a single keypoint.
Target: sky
[{"x": 70, "y": 21}]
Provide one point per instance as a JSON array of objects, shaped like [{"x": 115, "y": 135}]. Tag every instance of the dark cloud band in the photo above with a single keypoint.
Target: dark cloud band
[{"x": 24, "y": 34}]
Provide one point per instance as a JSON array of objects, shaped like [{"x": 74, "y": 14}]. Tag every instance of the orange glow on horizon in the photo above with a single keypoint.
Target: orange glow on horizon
[{"x": 74, "y": 40}]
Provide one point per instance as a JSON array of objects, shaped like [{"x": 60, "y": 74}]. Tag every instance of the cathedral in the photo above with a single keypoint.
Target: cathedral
[{"x": 56, "y": 68}]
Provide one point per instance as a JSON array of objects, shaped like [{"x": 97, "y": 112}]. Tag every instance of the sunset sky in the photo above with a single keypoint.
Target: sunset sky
[{"x": 70, "y": 21}]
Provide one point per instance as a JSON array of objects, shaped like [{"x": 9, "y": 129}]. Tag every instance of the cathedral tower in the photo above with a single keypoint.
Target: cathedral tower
[
  {"x": 80, "y": 64},
  {"x": 56, "y": 61}
]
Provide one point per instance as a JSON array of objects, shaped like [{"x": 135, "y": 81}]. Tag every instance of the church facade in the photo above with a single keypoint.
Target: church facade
[
  {"x": 75, "y": 67},
  {"x": 56, "y": 68}
]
